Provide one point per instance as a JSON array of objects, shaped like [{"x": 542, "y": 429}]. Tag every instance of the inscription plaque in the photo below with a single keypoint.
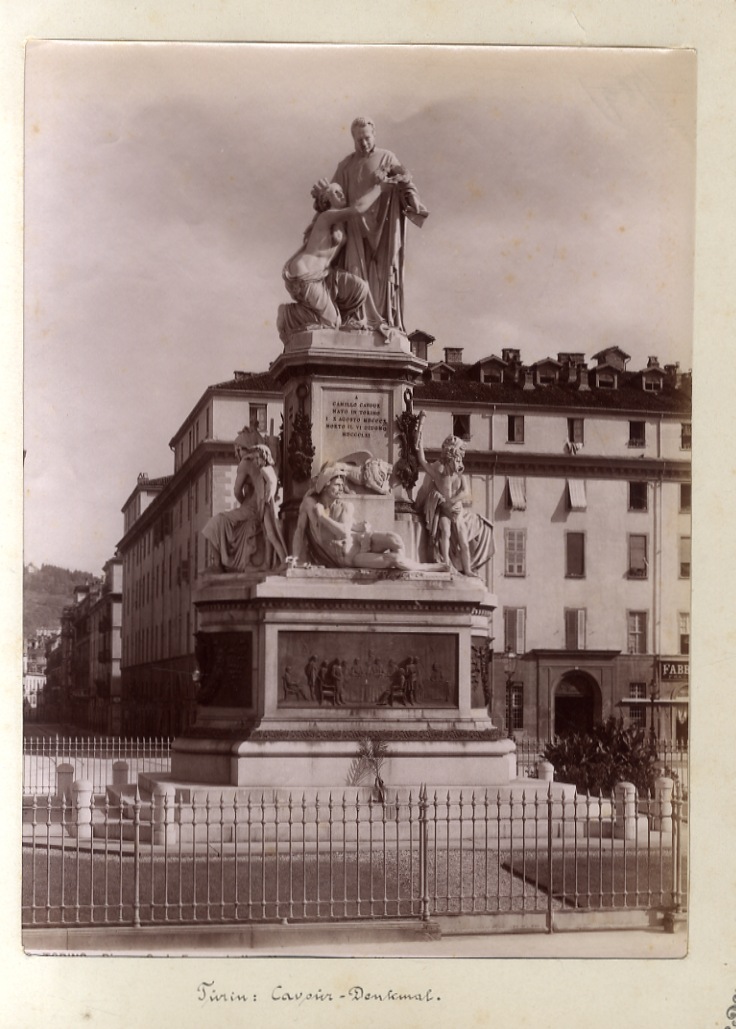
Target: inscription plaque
[
  {"x": 355, "y": 669},
  {"x": 355, "y": 421}
]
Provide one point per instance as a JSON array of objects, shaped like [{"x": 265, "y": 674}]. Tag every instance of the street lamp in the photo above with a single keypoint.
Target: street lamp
[{"x": 510, "y": 662}]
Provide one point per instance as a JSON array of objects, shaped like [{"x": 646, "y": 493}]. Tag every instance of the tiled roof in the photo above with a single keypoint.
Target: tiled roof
[
  {"x": 257, "y": 382},
  {"x": 157, "y": 483},
  {"x": 465, "y": 387}
]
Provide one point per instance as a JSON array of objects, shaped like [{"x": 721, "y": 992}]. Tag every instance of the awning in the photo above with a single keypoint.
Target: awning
[
  {"x": 517, "y": 493},
  {"x": 576, "y": 493}
]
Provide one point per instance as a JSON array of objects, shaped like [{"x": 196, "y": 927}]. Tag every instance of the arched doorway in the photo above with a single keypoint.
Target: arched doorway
[{"x": 577, "y": 704}]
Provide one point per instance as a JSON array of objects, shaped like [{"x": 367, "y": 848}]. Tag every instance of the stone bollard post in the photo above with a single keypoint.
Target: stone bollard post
[
  {"x": 163, "y": 813},
  {"x": 545, "y": 771},
  {"x": 662, "y": 820},
  {"x": 625, "y": 794},
  {"x": 82, "y": 808},
  {"x": 120, "y": 770},
  {"x": 64, "y": 780}
]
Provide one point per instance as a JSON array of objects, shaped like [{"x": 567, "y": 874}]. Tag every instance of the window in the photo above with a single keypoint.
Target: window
[
  {"x": 575, "y": 430},
  {"x": 461, "y": 426},
  {"x": 638, "y": 712},
  {"x": 686, "y": 436},
  {"x": 514, "y": 706},
  {"x": 514, "y": 629},
  {"x": 683, "y": 627},
  {"x": 637, "y": 434},
  {"x": 638, "y": 496},
  {"x": 515, "y": 551},
  {"x": 257, "y": 417},
  {"x": 684, "y": 557},
  {"x": 575, "y": 555},
  {"x": 516, "y": 428},
  {"x": 636, "y": 642},
  {"x": 638, "y": 560},
  {"x": 653, "y": 385},
  {"x": 575, "y": 628},
  {"x": 686, "y": 496},
  {"x": 491, "y": 376},
  {"x": 606, "y": 382}
]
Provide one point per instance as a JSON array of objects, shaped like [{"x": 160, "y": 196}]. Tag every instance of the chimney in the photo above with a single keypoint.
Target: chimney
[
  {"x": 528, "y": 379},
  {"x": 584, "y": 380},
  {"x": 511, "y": 356},
  {"x": 652, "y": 362},
  {"x": 453, "y": 355},
  {"x": 240, "y": 376}
]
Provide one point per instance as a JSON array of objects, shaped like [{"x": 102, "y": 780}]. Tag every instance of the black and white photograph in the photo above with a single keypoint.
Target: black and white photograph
[
  {"x": 357, "y": 498},
  {"x": 372, "y": 373}
]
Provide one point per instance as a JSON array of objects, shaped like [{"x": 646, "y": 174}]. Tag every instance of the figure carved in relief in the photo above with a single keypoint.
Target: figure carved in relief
[
  {"x": 290, "y": 686},
  {"x": 461, "y": 538},
  {"x": 375, "y": 248},
  {"x": 249, "y": 536},
  {"x": 311, "y": 674},
  {"x": 327, "y": 297},
  {"x": 327, "y": 534}
]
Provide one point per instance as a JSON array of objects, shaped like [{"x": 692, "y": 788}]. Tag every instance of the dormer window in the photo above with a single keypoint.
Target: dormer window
[
  {"x": 606, "y": 382},
  {"x": 492, "y": 375},
  {"x": 652, "y": 383}
]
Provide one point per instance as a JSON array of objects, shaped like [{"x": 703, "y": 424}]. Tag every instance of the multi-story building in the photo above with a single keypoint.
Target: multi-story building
[
  {"x": 34, "y": 670},
  {"x": 163, "y": 550},
  {"x": 84, "y": 661},
  {"x": 585, "y": 473}
]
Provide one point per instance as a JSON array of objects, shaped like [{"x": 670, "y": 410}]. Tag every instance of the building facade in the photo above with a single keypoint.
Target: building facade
[
  {"x": 83, "y": 662},
  {"x": 584, "y": 469},
  {"x": 163, "y": 550}
]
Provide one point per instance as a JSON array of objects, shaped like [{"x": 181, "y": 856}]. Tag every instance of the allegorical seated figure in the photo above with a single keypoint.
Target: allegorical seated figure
[
  {"x": 325, "y": 296},
  {"x": 249, "y": 536},
  {"x": 327, "y": 533},
  {"x": 461, "y": 538}
]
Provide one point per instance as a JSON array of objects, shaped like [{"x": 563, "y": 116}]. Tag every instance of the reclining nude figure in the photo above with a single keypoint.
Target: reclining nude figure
[
  {"x": 327, "y": 534},
  {"x": 325, "y": 296}
]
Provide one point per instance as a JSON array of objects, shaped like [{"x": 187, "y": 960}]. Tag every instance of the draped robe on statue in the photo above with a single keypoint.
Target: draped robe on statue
[{"x": 375, "y": 240}]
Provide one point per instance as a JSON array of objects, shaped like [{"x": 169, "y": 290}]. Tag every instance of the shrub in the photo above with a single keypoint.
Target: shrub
[{"x": 610, "y": 753}]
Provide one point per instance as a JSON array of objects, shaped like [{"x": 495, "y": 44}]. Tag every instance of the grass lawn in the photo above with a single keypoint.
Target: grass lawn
[{"x": 612, "y": 879}]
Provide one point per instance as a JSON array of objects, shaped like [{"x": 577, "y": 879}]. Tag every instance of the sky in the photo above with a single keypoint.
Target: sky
[{"x": 166, "y": 185}]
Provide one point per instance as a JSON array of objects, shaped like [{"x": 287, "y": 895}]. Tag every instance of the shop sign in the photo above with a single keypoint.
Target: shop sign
[{"x": 674, "y": 671}]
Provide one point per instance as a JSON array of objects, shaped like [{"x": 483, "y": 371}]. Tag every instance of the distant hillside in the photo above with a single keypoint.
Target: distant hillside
[{"x": 46, "y": 590}]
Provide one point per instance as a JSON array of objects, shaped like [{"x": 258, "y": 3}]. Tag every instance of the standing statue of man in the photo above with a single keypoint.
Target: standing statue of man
[{"x": 375, "y": 239}]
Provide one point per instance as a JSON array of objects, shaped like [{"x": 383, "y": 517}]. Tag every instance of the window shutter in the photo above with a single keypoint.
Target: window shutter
[{"x": 520, "y": 630}]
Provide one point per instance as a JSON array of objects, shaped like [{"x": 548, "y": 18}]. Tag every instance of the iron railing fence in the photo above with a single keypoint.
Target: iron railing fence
[
  {"x": 170, "y": 859},
  {"x": 672, "y": 757},
  {"x": 92, "y": 758}
]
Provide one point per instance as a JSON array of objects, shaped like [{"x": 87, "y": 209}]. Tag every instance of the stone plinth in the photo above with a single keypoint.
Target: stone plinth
[{"x": 266, "y": 722}]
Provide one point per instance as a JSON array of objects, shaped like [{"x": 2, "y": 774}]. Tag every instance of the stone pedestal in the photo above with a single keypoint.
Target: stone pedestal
[{"x": 262, "y": 724}]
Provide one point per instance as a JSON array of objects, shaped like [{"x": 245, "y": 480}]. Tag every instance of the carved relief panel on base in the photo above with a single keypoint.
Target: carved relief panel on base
[{"x": 355, "y": 669}]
